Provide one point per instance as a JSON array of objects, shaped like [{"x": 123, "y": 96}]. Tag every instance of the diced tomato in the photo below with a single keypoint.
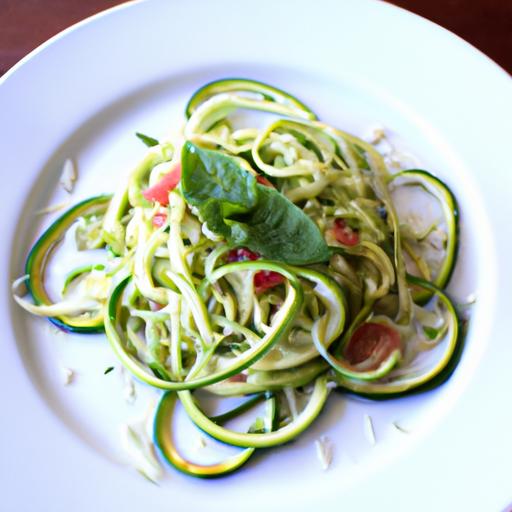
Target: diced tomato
[
  {"x": 155, "y": 306},
  {"x": 264, "y": 279},
  {"x": 159, "y": 192},
  {"x": 372, "y": 339},
  {"x": 344, "y": 233},
  {"x": 263, "y": 181},
  {"x": 239, "y": 377},
  {"x": 242, "y": 254},
  {"x": 159, "y": 219}
]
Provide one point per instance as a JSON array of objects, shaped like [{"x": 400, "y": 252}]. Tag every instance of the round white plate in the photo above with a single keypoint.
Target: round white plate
[{"x": 83, "y": 94}]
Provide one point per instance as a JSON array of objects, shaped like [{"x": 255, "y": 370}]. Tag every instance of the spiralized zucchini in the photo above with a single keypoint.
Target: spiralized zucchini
[{"x": 242, "y": 259}]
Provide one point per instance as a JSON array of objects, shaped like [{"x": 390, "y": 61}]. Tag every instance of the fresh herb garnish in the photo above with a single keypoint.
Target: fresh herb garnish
[
  {"x": 149, "y": 141},
  {"x": 248, "y": 214},
  {"x": 430, "y": 332},
  {"x": 108, "y": 370}
]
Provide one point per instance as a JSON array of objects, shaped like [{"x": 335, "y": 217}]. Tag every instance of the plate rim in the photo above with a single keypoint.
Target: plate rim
[{"x": 71, "y": 29}]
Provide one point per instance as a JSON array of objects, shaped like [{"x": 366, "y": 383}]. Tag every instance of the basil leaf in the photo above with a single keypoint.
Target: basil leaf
[
  {"x": 279, "y": 230},
  {"x": 209, "y": 177},
  {"x": 149, "y": 141},
  {"x": 246, "y": 213}
]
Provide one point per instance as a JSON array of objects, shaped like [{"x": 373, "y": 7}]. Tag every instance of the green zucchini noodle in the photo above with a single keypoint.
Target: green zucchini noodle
[{"x": 267, "y": 254}]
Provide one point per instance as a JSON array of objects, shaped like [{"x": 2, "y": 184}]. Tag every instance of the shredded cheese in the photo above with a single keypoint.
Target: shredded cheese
[
  {"x": 130, "y": 395},
  {"x": 138, "y": 445},
  {"x": 68, "y": 376},
  {"x": 324, "y": 451},
  {"x": 289, "y": 393},
  {"x": 68, "y": 176},
  {"x": 369, "y": 430},
  {"x": 201, "y": 443}
]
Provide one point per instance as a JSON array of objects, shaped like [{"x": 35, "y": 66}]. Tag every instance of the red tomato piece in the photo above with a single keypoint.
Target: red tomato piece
[
  {"x": 266, "y": 279},
  {"x": 159, "y": 219},
  {"x": 242, "y": 254},
  {"x": 263, "y": 181},
  {"x": 372, "y": 339},
  {"x": 239, "y": 377},
  {"x": 344, "y": 233},
  {"x": 159, "y": 192}
]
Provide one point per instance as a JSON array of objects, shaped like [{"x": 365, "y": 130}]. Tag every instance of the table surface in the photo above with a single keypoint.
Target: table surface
[{"x": 24, "y": 24}]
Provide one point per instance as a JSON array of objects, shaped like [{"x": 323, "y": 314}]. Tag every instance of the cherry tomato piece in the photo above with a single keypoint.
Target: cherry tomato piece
[
  {"x": 264, "y": 279},
  {"x": 242, "y": 254},
  {"x": 345, "y": 234},
  {"x": 159, "y": 192},
  {"x": 159, "y": 219},
  {"x": 372, "y": 340}
]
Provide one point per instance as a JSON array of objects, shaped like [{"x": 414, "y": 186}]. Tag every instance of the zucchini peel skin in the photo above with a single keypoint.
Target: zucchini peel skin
[
  {"x": 267, "y": 92},
  {"x": 438, "y": 189},
  {"x": 194, "y": 299},
  {"x": 162, "y": 433},
  {"x": 435, "y": 377},
  {"x": 264, "y": 440},
  {"x": 260, "y": 381},
  {"x": 287, "y": 314},
  {"x": 39, "y": 256}
]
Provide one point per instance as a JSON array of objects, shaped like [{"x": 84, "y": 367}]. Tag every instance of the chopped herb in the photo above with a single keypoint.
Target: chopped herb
[
  {"x": 149, "y": 141},
  {"x": 108, "y": 370},
  {"x": 430, "y": 332},
  {"x": 246, "y": 213}
]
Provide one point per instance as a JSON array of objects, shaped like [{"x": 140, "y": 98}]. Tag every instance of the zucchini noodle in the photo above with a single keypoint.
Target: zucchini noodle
[{"x": 269, "y": 258}]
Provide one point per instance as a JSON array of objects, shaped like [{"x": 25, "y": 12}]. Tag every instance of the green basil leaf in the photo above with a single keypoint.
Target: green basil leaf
[
  {"x": 212, "y": 177},
  {"x": 246, "y": 213},
  {"x": 279, "y": 230}
]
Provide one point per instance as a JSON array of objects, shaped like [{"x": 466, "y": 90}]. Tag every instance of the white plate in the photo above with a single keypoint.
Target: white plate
[{"x": 356, "y": 62}]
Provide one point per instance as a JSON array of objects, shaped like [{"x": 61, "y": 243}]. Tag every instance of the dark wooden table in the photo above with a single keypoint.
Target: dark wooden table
[{"x": 24, "y": 24}]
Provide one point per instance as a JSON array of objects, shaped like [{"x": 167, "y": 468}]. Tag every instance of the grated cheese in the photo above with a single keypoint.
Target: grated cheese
[
  {"x": 138, "y": 445},
  {"x": 201, "y": 443},
  {"x": 68, "y": 176},
  {"x": 68, "y": 376},
  {"x": 129, "y": 391},
  {"x": 368, "y": 430},
  {"x": 289, "y": 393},
  {"x": 324, "y": 451}
]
